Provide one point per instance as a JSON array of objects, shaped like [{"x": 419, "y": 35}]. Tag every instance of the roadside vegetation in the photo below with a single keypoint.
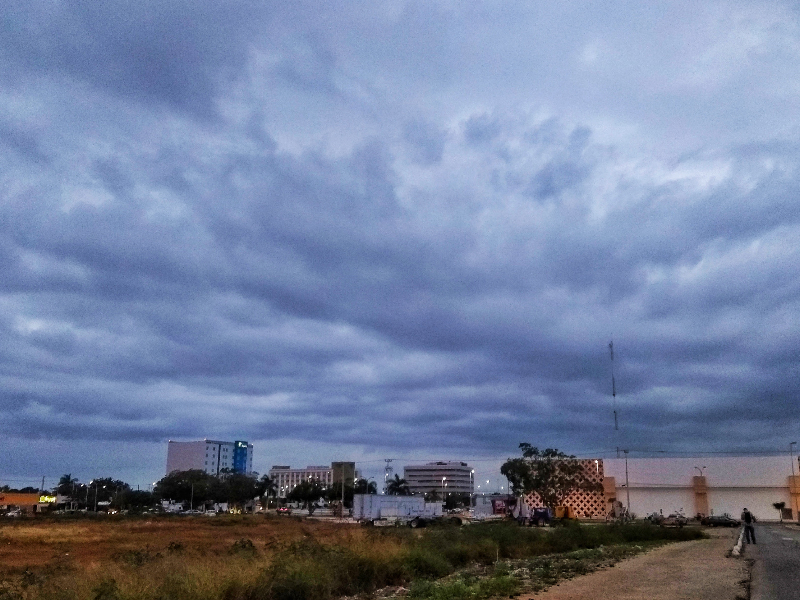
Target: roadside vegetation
[{"x": 318, "y": 562}]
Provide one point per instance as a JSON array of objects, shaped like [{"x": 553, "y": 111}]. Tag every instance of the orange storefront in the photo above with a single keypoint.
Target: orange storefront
[{"x": 25, "y": 502}]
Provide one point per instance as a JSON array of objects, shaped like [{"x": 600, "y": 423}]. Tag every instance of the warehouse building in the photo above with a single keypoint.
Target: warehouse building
[{"x": 690, "y": 485}]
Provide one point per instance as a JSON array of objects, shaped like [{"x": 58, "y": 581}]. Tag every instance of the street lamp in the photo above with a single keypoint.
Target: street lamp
[
  {"x": 95, "y": 496},
  {"x": 471, "y": 486},
  {"x": 700, "y": 470},
  {"x": 791, "y": 458},
  {"x": 443, "y": 484}
]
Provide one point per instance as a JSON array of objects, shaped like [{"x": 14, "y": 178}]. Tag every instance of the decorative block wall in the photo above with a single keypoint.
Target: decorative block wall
[{"x": 586, "y": 504}]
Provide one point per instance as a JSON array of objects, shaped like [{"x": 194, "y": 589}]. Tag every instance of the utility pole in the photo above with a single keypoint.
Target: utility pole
[{"x": 627, "y": 484}]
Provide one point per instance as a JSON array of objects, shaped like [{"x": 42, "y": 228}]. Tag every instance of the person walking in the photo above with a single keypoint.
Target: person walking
[{"x": 749, "y": 532}]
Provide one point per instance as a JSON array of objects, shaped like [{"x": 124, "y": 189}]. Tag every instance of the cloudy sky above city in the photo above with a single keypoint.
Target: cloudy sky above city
[{"x": 361, "y": 230}]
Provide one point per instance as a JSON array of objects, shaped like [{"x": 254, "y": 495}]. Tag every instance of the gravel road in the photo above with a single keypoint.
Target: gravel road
[{"x": 697, "y": 570}]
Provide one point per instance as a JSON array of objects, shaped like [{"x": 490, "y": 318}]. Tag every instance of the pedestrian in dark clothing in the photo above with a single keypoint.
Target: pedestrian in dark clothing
[{"x": 749, "y": 532}]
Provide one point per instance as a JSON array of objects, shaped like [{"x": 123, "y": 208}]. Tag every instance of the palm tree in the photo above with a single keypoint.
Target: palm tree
[
  {"x": 66, "y": 485},
  {"x": 270, "y": 489},
  {"x": 398, "y": 487}
]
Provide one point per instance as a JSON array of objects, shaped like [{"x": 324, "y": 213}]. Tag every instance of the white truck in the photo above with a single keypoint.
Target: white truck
[{"x": 373, "y": 509}]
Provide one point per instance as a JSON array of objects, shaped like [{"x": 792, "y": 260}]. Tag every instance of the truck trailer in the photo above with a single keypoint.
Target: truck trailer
[{"x": 413, "y": 511}]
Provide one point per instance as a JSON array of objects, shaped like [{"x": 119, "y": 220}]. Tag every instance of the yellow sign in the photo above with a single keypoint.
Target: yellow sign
[{"x": 44, "y": 499}]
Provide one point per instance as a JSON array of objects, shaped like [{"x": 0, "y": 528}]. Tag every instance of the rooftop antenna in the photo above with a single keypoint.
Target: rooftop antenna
[{"x": 613, "y": 385}]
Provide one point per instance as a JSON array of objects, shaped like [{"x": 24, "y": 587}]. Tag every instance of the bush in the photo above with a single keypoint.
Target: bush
[{"x": 426, "y": 563}]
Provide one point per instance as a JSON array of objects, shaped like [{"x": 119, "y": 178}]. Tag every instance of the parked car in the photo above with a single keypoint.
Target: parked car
[
  {"x": 720, "y": 521},
  {"x": 674, "y": 520},
  {"x": 284, "y": 510}
]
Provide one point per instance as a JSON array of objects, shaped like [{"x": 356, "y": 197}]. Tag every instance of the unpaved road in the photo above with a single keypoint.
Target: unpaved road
[{"x": 697, "y": 570}]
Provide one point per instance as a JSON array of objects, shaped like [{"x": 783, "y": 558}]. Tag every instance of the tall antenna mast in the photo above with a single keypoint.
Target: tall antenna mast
[
  {"x": 613, "y": 385},
  {"x": 387, "y": 471}
]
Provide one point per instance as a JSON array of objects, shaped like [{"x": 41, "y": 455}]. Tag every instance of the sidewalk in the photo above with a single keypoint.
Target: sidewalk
[{"x": 696, "y": 570}]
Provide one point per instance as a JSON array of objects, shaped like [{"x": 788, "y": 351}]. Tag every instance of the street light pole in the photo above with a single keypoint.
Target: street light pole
[
  {"x": 627, "y": 486},
  {"x": 471, "y": 487},
  {"x": 791, "y": 458},
  {"x": 443, "y": 478}
]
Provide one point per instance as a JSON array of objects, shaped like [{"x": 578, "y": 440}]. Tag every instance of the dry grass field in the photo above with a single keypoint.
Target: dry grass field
[
  {"x": 34, "y": 543},
  {"x": 288, "y": 558}
]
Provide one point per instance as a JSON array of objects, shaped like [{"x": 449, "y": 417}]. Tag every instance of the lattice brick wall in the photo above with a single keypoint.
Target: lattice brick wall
[{"x": 585, "y": 503}]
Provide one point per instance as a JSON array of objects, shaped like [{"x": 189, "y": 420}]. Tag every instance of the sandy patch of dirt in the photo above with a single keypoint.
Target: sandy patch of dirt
[{"x": 696, "y": 570}]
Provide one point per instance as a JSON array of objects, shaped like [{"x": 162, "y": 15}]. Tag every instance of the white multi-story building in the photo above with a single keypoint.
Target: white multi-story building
[
  {"x": 286, "y": 478},
  {"x": 211, "y": 456},
  {"x": 440, "y": 477}
]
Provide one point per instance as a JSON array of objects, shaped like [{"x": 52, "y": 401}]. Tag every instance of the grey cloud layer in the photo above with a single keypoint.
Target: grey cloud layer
[{"x": 314, "y": 226}]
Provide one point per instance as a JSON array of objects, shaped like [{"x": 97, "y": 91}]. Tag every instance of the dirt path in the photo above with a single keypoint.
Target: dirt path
[{"x": 696, "y": 570}]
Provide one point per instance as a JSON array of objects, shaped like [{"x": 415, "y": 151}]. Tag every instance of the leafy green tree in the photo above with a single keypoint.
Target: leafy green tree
[
  {"x": 364, "y": 486},
  {"x": 106, "y": 489},
  {"x": 549, "y": 473},
  {"x": 433, "y": 496},
  {"x": 194, "y": 485},
  {"x": 334, "y": 494},
  {"x": 308, "y": 492},
  {"x": 240, "y": 488},
  {"x": 398, "y": 487},
  {"x": 135, "y": 500}
]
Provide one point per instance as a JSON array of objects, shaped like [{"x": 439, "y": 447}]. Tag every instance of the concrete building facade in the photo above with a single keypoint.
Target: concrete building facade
[
  {"x": 211, "y": 456},
  {"x": 286, "y": 478},
  {"x": 440, "y": 477},
  {"x": 708, "y": 485}
]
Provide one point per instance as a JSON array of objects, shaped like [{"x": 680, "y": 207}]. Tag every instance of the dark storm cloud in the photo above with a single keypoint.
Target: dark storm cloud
[
  {"x": 294, "y": 224},
  {"x": 175, "y": 53}
]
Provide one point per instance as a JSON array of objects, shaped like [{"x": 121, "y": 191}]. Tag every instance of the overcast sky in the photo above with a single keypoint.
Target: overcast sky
[{"x": 362, "y": 230}]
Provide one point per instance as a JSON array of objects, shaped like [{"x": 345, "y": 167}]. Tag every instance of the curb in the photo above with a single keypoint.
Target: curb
[{"x": 737, "y": 548}]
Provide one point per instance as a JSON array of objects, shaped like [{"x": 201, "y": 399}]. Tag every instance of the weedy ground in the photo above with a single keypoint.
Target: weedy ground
[{"x": 258, "y": 558}]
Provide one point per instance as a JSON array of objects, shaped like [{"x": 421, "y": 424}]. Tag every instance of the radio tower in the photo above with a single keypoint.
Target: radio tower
[
  {"x": 613, "y": 385},
  {"x": 387, "y": 472}
]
